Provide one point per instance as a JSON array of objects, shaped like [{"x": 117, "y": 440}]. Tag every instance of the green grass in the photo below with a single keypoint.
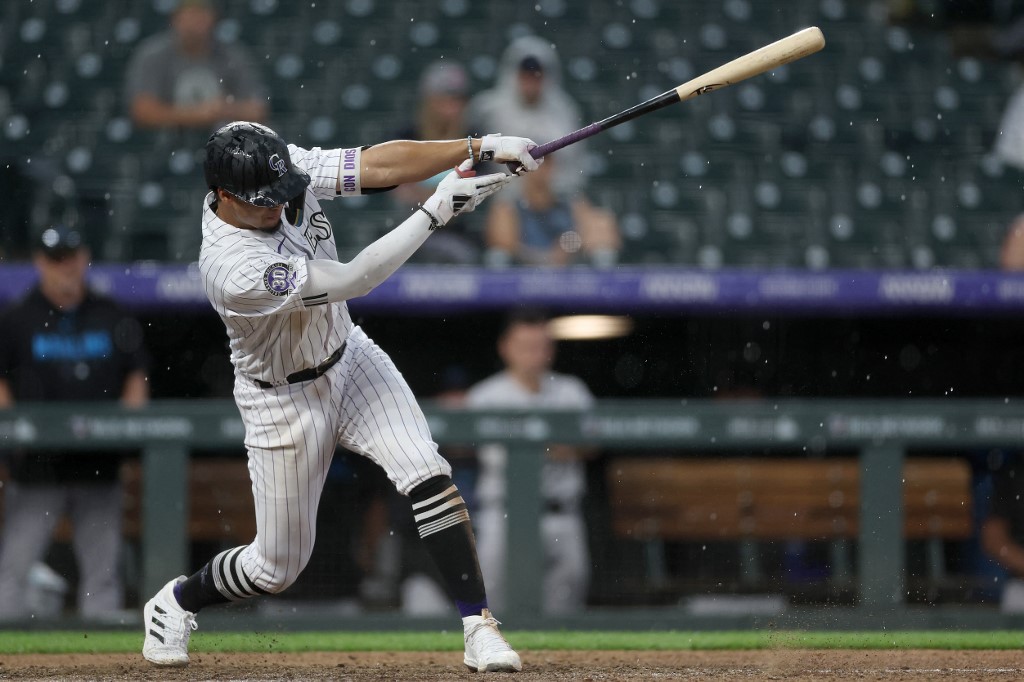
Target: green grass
[{"x": 13, "y": 642}]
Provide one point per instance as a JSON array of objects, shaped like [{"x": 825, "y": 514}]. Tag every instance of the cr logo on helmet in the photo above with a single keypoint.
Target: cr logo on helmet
[{"x": 278, "y": 164}]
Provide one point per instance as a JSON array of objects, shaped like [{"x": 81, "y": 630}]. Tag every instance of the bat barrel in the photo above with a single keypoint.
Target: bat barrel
[{"x": 788, "y": 49}]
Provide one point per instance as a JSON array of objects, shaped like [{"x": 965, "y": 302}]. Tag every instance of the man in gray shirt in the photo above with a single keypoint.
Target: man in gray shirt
[
  {"x": 528, "y": 350},
  {"x": 185, "y": 79}
]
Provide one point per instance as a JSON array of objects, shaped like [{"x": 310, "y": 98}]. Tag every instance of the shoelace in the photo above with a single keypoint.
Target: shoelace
[
  {"x": 180, "y": 634},
  {"x": 491, "y": 640}
]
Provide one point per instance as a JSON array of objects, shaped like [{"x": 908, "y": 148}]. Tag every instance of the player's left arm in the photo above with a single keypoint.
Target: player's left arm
[
  {"x": 328, "y": 281},
  {"x": 402, "y": 161}
]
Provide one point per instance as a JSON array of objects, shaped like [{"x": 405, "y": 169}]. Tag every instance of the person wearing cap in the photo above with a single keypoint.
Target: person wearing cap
[
  {"x": 528, "y": 99},
  {"x": 64, "y": 342},
  {"x": 440, "y": 115},
  {"x": 184, "y": 78}
]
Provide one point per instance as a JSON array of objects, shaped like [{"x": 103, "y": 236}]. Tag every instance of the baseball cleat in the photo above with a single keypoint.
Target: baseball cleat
[
  {"x": 168, "y": 628},
  {"x": 486, "y": 650}
]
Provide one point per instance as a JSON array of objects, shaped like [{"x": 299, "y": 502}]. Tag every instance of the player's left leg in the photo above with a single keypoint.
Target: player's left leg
[
  {"x": 290, "y": 438},
  {"x": 383, "y": 421}
]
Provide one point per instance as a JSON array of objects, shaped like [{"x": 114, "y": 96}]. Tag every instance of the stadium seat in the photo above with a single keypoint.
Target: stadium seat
[{"x": 887, "y": 103}]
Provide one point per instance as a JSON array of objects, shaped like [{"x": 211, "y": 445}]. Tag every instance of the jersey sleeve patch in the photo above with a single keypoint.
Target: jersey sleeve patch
[{"x": 280, "y": 279}]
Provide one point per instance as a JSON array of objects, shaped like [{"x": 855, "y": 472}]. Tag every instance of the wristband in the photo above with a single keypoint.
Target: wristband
[{"x": 434, "y": 222}]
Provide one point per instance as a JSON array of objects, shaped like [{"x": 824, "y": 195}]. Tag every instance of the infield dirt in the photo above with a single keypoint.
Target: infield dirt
[{"x": 586, "y": 666}]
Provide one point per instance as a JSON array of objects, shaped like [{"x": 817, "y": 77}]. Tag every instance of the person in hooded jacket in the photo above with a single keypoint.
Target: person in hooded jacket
[{"x": 528, "y": 99}]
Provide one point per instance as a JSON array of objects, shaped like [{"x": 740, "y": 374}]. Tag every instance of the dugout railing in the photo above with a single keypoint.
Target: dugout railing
[{"x": 881, "y": 431}]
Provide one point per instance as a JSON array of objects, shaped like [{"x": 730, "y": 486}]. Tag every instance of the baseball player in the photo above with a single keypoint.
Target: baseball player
[
  {"x": 307, "y": 378},
  {"x": 527, "y": 382}
]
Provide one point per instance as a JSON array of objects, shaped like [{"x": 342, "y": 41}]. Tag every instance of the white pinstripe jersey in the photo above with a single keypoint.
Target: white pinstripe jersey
[{"x": 253, "y": 278}]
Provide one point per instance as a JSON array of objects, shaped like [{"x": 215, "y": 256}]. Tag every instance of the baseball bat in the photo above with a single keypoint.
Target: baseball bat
[{"x": 789, "y": 49}]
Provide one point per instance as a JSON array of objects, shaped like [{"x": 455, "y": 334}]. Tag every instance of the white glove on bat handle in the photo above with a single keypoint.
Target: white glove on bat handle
[
  {"x": 461, "y": 192},
  {"x": 511, "y": 150}
]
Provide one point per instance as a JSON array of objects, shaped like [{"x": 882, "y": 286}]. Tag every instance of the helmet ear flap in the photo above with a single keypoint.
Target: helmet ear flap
[{"x": 293, "y": 212}]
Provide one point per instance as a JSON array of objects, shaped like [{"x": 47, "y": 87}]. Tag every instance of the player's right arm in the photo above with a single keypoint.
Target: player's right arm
[
  {"x": 333, "y": 281},
  {"x": 401, "y": 161}
]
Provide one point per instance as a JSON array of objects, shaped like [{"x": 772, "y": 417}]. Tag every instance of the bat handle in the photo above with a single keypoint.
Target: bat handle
[{"x": 543, "y": 150}]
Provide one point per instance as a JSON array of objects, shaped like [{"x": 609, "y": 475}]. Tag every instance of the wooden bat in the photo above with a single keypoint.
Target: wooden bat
[{"x": 789, "y": 49}]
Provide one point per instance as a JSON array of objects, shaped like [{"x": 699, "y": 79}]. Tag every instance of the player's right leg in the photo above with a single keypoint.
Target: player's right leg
[
  {"x": 290, "y": 438},
  {"x": 384, "y": 422}
]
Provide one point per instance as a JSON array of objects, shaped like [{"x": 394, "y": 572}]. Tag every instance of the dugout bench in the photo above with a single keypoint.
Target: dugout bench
[
  {"x": 749, "y": 501},
  {"x": 220, "y": 502}
]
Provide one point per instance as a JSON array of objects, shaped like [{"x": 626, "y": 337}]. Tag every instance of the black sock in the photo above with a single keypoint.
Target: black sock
[
  {"x": 220, "y": 580},
  {"x": 443, "y": 523}
]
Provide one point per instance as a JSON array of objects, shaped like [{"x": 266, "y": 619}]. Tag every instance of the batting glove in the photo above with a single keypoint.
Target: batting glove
[
  {"x": 461, "y": 191},
  {"x": 512, "y": 150}
]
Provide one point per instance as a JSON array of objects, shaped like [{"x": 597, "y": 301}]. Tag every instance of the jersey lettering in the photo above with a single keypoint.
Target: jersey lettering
[
  {"x": 348, "y": 171},
  {"x": 72, "y": 347},
  {"x": 318, "y": 230}
]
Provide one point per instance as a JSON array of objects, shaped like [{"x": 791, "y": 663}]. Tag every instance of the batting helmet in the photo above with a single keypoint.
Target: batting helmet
[{"x": 252, "y": 162}]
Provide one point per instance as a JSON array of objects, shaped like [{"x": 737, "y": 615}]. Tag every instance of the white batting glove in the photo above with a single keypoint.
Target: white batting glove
[
  {"x": 461, "y": 191},
  {"x": 515, "y": 150}
]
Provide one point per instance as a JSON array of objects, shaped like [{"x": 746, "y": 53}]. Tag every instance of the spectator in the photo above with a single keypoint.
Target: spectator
[
  {"x": 63, "y": 342},
  {"x": 528, "y": 99},
  {"x": 185, "y": 79},
  {"x": 542, "y": 228},
  {"x": 440, "y": 115},
  {"x": 181, "y": 84},
  {"x": 1011, "y": 256},
  {"x": 528, "y": 351},
  {"x": 1002, "y": 533}
]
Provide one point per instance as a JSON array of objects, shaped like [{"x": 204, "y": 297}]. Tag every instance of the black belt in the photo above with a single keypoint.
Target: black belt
[{"x": 308, "y": 374}]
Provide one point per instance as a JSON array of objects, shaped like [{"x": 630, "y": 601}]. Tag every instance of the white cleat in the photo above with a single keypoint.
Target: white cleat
[
  {"x": 486, "y": 650},
  {"x": 168, "y": 628}
]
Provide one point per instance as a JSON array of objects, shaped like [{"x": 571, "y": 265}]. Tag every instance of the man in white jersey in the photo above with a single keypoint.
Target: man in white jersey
[
  {"x": 307, "y": 378},
  {"x": 527, "y": 382}
]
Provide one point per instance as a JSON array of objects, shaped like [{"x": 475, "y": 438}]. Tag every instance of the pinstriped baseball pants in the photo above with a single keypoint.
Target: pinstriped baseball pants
[{"x": 362, "y": 403}]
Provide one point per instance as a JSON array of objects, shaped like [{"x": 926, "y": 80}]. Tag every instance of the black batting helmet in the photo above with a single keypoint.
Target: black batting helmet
[{"x": 252, "y": 162}]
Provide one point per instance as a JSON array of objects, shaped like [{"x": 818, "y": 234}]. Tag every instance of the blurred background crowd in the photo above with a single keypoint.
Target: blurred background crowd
[{"x": 897, "y": 147}]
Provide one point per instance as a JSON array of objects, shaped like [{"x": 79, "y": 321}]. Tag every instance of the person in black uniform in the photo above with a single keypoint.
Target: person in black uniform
[{"x": 64, "y": 342}]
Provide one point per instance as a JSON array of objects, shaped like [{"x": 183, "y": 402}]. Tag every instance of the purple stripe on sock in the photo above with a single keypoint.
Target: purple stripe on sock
[
  {"x": 177, "y": 592},
  {"x": 470, "y": 608}
]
